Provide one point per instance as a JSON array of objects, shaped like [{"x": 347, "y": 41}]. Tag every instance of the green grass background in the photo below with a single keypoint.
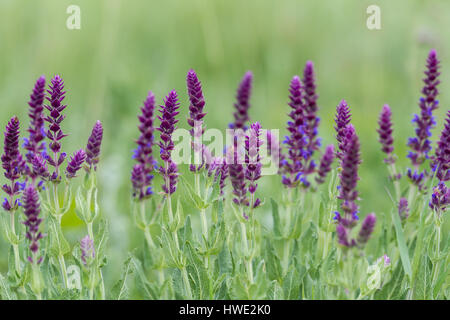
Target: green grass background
[{"x": 125, "y": 48}]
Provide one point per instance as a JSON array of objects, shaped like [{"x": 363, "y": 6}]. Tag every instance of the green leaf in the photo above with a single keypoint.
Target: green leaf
[
  {"x": 196, "y": 199},
  {"x": 5, "y": 290},
  {"x": 198, "y": 273},
  {"x": 404, "y": 255},
  {"x": 274, "y": 270},
  {"x": 120, "y": 290}
]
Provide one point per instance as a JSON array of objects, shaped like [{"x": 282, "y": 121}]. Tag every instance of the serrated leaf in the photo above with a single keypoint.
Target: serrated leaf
[{"x": 276, "y": 219}]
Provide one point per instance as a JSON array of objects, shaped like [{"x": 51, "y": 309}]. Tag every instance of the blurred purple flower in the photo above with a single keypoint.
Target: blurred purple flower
[
  {"x": 325, "y": 164},
  {"x": 32, "y": 209},
  {"x": 93, "y": 146},
  {"x": 242, "y": 102},
  {"x": 385, "y": 133}
]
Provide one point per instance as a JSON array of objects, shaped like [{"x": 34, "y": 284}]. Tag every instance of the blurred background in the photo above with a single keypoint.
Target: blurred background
[{"x": 126, "y": 48}]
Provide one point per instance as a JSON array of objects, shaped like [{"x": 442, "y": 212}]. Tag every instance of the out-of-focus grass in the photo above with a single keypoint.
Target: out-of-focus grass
[{"x": 125, "y": 48}]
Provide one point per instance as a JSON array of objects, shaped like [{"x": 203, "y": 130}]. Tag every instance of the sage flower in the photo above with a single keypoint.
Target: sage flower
[
  {"x": 385, "y": 133},
  {"x": 440, "y": 198},
  {"x": 87, "y": 250},
  {"x": 75, "y": 163},
  {"x": 420, "y": 144},
  {"x": 325, "y": 164},
  {"x": 196, "y": 115},
  {"x": 366, "y": 229},
  {"x": 253, "y": 159},
  {"x": 34, "y": 143},
  {"x": 441, "y": 161},
  {"x": 141, "y": 175},
  {"x": 55, "y": 117},
  {"x": 12, "y": 163},
  {"x": 167, "y": 127},
  {"x": 296, "y": 141},
  {"x": 93, "y": 146},
  {"x": 403, "y": 210},
  {"x": 342, "y": 120},
  {"x": 242, "y": 104},
  {"x": 310, "y": 114},
  {"x": 31, "y": 207}
]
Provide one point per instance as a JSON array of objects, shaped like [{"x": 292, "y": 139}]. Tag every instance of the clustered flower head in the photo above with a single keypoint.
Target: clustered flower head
[
  {"x": 420, "y": 144},
  {"x": 75, "y": 163},
  {"x": 141, "y": 175},
  {"x": 54, "y": 119},
  {"x": 236, "y": 172},
  {"x": 342, "y": 120},
  {"x": 310, "y": 114},
  {"x": 12, "y": 163},
  {"x": 297, "y": 140},
  {"x": 440, "y": 198},
  {"x": 242, "y": 104},
  {"x": 87, "y": 250},
  {"x": 34, "y": 143},
  {"x": 385, "y": 133},
  {"x": 350, "y": 160},
  {"x": 441, "y": 161},
  {"x": 167, "y": 127},
  {"x": 403, "y": 210},
  {"x": 325, "y": 164},
  {"x": 32, "y": 209},
  {"x": 196, "y": 115},
  {"x": 253, "y": 144},
  {"x": 93, "y": 146}
]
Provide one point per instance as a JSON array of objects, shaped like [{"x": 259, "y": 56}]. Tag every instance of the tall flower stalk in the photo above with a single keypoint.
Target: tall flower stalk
[{"x": 13, "y": 166}]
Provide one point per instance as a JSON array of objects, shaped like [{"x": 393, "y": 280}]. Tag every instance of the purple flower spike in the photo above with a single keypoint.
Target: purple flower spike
[
  {"x": 385, "y": 133},
  {"x": 93, "y": 146},
  {"x": 325, "y": 164},
  {"x": 168, "y": 122},
  {"x": 39, "y": 167},
  {"x": 311, "y": 118},
  {"x": 297, "y": 140},
  {"x": 141, "y": 175},
  {"x": 366, "y": 229},
  {"x": 441, "y": 161},
  {"x": 440, "y": 198},
  {"x": 342, "y": 235},
  {"x": 12, "y": 161},
  {"x": 350, "y": 163},
  {"x": 75, "y": 163},
  {"x": 57, "y": 95},
  {"x": 32, "y": 209},
  {"x": 253, "y": 158},
  {"x": 196, "y": 115},
  {"x": 237, "y": 177},
  {"x": 403, "y": 210},
  {"x": 342, "y": 120},
  {"x": 167, "y": 127},
  {"x": 34, "y": 144},
  {"x": 87, "y": 250},
  {"x": 242, "y": 102},
  {"x": 421, "y": 145}
]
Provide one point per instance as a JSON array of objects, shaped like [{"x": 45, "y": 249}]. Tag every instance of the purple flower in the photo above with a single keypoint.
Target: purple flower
[
  {"x": 237, "y": 177},
  {"x": 54, "y": 132},
  {"x": 325, "y": 164},
  {"x": 32, "y": 209},
  {"x": 440, "y": 198},
  {"x": 297, "y": 140},
  {"x": 274, "y": 148},
  {"x": 167, "y": 127},
  {"x": 311, "y": 119},
  {"x": 12, "y": 161},
  {"x": 342, "y": 120},
  {"x": 141, "y": 175},
  {"x": 34, "y": 144},
  {"x": 385, "y": 133},
  {"x": 39, "y": 167},
  {"x": 242, "y": 102},
  {"x": 196, "y": 115},
  {"x": 403, "y": 210},
  {"x": 87, "y": 250},
  {"x": 253, "y": 158},
  {"x": 342, "y": 235},
  {"x": 441, "y": 161},
  {"x": 93, "y": 146},
  {"x": 221, "y": 173},
  {"x": 75, "y": 163},
  {"x": 421, "y": 145},
  {"x": 366, "y": 229},
  {"x": 350, "y": 163},
  {"x": 416, "y": 178}
]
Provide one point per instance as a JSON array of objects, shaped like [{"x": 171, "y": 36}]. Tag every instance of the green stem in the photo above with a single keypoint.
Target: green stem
[
  {"x": 247, "y": 257},
  {"x": 62, "y": 264}
]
